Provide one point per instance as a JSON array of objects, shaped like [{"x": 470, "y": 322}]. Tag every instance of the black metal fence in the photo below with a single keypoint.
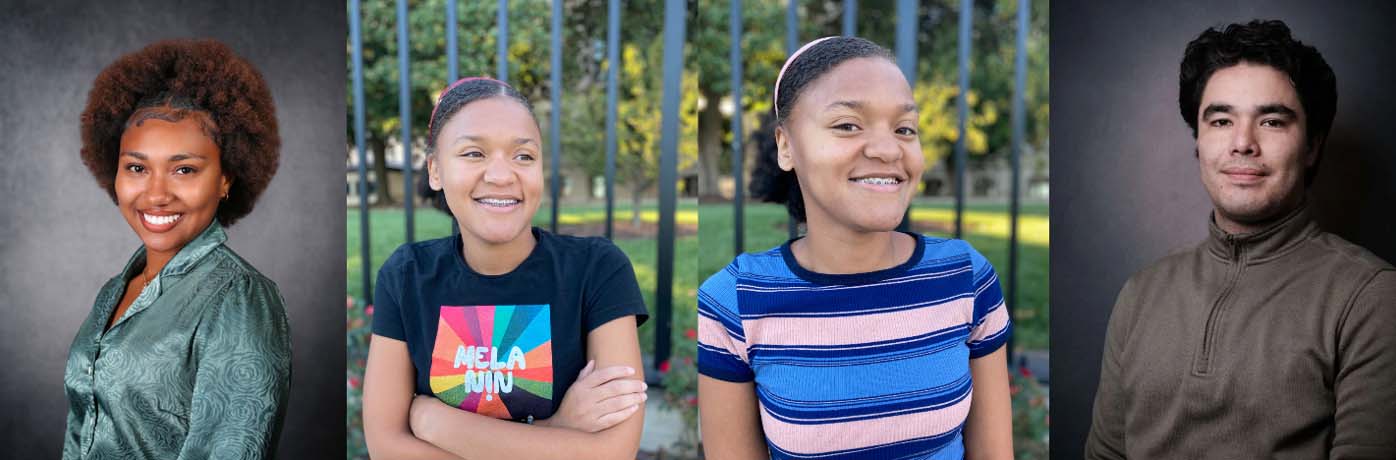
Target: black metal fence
[{"x": 673, "y": 36}]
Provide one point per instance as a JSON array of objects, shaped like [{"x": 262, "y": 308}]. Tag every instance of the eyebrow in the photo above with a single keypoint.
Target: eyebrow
[
  {"x": 1216, "y": 108},
  {"x": 1263, "y": 109},
  {"x": 858, "y": 105},
  {"x": 1277, "y": 109},
  {"x": 480, "y": 139},
  {"x": 178, "y": 157}
]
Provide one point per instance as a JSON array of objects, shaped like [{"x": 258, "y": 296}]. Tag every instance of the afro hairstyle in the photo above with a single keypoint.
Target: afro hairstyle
[{"x": 187, "y": 75}]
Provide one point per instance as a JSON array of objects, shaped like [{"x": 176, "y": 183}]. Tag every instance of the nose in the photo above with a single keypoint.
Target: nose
[
  {"x": 885, "y": 147},
  {"x": 1243, "y": 140},
  {"x": 498, "y": 171},
  {"x": 157, "y": 191}
]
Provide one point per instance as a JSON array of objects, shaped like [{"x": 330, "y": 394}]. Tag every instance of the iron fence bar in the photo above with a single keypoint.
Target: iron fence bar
[
  {"x": 452, "y": 57},
  {"x": 1020, "y": 71},
  {"x": 792, "y": 43},
  {"x": 612, "y": 77},
  {"x": 907, "y": 20},
  {"x": 850, "y": 18},
  {"x": 357, "y": 45},
  {"x": 452, "y": 71},
  {"x": 962, "y": 103},
  {"x": 675, "y": 14},
  {"x": 501, "y": 48},
  {"x": 734, "y": 27},
  {"x": 555, "y": 111},
  {"x": 404, "y": 106}
]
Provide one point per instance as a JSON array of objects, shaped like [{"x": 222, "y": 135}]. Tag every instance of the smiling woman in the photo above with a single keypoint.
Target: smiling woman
[
  {"x": 186, "y": 352},
  {"x": 856, "y": 340},
  {"x": 504, "y": 322}
]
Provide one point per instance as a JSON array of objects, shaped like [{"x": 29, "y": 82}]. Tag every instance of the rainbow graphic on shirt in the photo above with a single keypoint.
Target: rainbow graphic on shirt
[{"x": 495, "y": 360}]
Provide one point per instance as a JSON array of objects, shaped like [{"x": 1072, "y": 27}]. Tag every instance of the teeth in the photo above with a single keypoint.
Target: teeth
[
  {"x": 498, "y": 201},
  {"x": 161, "y": 220},
  {"x": 879, "y": 180}
]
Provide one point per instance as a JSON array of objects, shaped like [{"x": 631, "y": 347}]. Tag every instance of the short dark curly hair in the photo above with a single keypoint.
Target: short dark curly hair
[
  {"x": 183, "y": 76},
  {"x": 768, "y": 181},
  {"x": 457, "y": 96},
  {"x": 1263, "y": 42}
]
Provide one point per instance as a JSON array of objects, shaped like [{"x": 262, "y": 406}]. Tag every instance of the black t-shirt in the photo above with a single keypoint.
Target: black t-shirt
[{"x": 508, "y": 346}]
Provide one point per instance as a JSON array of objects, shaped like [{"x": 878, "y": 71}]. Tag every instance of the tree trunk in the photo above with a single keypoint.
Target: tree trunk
[
  {"x": 380, "y": 171},
  {"x": 709, "y": 144}
]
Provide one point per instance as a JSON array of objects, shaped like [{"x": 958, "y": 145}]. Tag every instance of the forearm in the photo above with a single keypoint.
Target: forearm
[
  {"x": 473, "y": 436},
  {"x": 403, "y": 445}
]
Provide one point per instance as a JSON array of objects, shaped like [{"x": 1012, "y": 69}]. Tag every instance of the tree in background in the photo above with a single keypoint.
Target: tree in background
[{"x": 584, "y": 67}]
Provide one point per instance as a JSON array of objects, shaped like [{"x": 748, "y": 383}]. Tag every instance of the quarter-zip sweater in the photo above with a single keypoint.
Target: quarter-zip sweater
[{"x": 1275, "y": 344}]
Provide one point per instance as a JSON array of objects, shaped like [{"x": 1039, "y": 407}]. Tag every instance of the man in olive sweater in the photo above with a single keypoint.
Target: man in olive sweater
[{"x": 1271, "y": 338}]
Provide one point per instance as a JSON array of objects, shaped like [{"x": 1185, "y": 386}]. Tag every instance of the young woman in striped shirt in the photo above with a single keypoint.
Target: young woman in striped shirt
[{"x": 856, "y": 340}]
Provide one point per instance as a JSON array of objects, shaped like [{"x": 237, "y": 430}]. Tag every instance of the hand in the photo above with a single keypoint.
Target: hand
[
  {"x": 599, "y": 399},
  {"x": 419, "y": 415}
]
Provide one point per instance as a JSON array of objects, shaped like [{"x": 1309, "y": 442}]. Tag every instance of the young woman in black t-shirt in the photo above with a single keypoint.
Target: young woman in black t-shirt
[{"x": 505, "y": 323}]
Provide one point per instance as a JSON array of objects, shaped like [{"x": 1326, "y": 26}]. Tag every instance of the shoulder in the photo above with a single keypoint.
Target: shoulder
[
  {"x": 239, "y": 274},
  {"x": 719, "y": 291},
  {"x": 418, "y": 253},
  {"x": 1350, "y": 253},
  {"x": 587, "y": 250},
  {"x": 247, "y": 301},
  {"x": 755, "y": 265},
  {"x": 942, "y": 250}
]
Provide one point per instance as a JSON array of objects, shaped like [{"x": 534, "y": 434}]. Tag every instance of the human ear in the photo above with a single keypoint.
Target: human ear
[{"x": 783, "y": 152}]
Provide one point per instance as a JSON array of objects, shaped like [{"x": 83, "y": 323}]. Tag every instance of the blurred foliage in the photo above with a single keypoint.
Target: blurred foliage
[
  {"x": 584, "y": 70},
  {"x": 1030, "y": 422}
]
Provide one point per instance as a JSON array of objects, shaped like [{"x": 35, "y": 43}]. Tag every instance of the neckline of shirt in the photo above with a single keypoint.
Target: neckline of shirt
[
  {"x": 853, "y": 278},
  {"x": 458, "y": 254}
]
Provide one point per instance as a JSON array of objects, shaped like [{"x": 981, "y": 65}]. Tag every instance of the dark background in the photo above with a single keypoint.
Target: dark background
[
  {"x": 1125, "y": 186},
  {"x": 61, "y": 237}
]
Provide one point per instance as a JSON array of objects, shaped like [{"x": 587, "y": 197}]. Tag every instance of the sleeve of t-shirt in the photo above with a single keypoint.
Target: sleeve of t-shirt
[
  {"x": 721, "y": 338},
  {"x": 611, "y": 290},
  {"x": 991, "y": 327},
  {"x": 387, "y": 307}
]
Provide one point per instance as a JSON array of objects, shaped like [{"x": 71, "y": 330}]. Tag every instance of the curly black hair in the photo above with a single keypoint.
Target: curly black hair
[
  {"x": 1263, "y": 42},
  {"x": 768, "y": 181},
  {"x": 187, "y": 77},
  {"x": 456, "y": 97}
]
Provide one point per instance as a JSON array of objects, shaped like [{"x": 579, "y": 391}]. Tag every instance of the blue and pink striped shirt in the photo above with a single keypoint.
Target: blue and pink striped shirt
[{"x": 867, "y": 365}]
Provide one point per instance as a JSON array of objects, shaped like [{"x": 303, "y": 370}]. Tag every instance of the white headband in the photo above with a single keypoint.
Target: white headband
[{"x": 775, "y": 98}]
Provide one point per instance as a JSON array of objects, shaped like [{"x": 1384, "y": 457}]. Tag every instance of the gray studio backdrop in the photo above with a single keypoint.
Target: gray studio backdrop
[
  {"x": 1125, "y": 186},
  {"x": 61, "y": 237}
]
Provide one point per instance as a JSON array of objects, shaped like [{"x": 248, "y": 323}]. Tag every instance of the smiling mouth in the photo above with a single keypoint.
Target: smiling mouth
[
  {"x": 161, "y": 220},
  {"x": 878, "y": 180},
  {"x": 498, "y": 202}
]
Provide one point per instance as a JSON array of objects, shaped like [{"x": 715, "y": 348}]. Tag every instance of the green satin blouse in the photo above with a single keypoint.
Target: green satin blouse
[{"x": 198, "y": 367}]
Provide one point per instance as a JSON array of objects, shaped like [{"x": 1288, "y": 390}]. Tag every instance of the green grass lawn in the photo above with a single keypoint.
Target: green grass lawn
[
  {"x": 387, "y": 229},
  {"x": 986, "y": 230}
]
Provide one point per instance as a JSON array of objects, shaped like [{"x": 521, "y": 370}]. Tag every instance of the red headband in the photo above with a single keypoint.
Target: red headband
[{"x": 451, "y": 87}]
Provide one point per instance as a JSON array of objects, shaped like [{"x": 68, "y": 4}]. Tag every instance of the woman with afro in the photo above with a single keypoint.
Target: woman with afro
[{"x": 186, "y": 353}]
